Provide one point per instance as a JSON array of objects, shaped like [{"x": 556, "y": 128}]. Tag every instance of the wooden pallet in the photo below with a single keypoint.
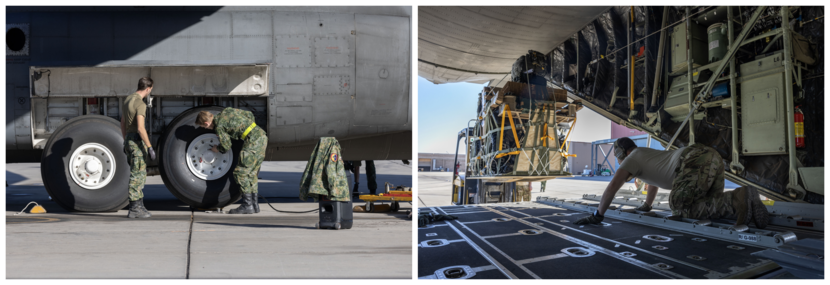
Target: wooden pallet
[{"x": 496, "y": 97}]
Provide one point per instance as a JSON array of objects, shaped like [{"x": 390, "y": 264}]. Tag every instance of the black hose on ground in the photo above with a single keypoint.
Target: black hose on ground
[{"x": 290, "y": 212}]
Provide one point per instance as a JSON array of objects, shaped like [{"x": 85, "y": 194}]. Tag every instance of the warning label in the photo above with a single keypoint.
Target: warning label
[
  {"x": 331, "y": 50},
  {"x": 713, "y": 44},
  {"x": 752, "y": 238},
  {"x": 293, "y": 51}
]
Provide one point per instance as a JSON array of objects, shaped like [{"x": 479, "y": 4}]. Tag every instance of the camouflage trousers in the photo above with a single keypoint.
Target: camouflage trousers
[
  {"x": 697, "y": 189},
  {"x": 250, "y": 160},
  {"x": 523, "y": 192},
  {"x": 136, "y": 154}
]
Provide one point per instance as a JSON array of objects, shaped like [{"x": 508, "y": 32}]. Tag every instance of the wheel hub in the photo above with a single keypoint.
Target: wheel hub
[
  {"x": 92, "y": 166},
  {"x": 203, "y": 162}
]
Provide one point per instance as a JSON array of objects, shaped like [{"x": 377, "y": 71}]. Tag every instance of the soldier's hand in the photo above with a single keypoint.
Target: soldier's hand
[
  {"x": 594, "y": 218},
  {"x": 152, "y": 153},
  {"x": 214, "y": 149}
]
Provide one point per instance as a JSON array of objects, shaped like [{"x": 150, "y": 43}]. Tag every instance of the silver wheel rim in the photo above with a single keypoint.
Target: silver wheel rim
[
  {"x": 204, "y": 163},
  {"x": 92, "y": 166}
]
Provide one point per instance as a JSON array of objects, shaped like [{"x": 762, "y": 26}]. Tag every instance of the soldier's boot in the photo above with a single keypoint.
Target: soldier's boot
[
  {"x": 135, "y": 210},
  {"x": 144, "y": 209},
  {"x": 247, "y": 206},
  {"x": 256, "y": 202},
  {"x": 743, "y": 205},
  {"x": 760, "y": 215},
  {"x": 644, "y": 207}
]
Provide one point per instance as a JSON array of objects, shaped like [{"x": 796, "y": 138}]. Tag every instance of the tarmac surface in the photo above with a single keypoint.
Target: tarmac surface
[{"x": 180, "y": 243}]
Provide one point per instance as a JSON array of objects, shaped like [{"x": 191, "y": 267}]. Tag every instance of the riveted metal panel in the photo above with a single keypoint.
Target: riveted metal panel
[
  {"x": 124, "y": 80},
  {"x": 281, "y": 134},
  {"x": 228, "y": 80},
  {"x": 382, "y": 67},
  {"x": 337, "y": 129},
  {"x": 304, "y": 133},
  {"x": 332, "y": 85},
  {"x": 293, "y": 93},
  {"x": 292, "y": 51},
  {"x": 251, "y": 38},
  {"x": 332, "y": 52},
  {"x": 293, "y": 115},
  {"x": 60, "y": 110},
  {"x": 763, "y": 128}
]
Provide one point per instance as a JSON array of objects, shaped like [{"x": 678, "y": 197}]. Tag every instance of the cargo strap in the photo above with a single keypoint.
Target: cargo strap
[
  {"x": 512, "y": 128},
  {"x": 545, "y": 136},
  {"x": 248, "y": 130},
  {"x": 565, "y": 154}
]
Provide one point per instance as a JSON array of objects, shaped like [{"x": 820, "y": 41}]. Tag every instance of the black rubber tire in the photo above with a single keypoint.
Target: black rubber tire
[
  {"x": 55, "y": 160},
  {"x": 197, "y": 193}
]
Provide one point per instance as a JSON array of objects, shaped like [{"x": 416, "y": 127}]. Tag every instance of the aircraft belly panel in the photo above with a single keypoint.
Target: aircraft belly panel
[{"x": 382, "y": 67}]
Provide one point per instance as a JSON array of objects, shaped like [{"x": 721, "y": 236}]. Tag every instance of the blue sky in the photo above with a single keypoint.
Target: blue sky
[{"x": 443, "y": 110}]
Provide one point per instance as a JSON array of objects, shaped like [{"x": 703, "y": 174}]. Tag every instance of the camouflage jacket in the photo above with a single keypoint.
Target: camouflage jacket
[
  {"x": 231, "y": 124},
  {"x": 324, "y": 174}
]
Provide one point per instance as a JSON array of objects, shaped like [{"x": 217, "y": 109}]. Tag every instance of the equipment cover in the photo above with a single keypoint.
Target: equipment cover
[{"x": 324, "y": 174}]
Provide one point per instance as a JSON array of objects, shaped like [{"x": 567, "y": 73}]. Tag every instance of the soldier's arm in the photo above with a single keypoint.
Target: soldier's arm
[
  {"x": 611, "y": 190},
  {"x": 224, "y": 139},
  {"x": 142, "y": 132}
]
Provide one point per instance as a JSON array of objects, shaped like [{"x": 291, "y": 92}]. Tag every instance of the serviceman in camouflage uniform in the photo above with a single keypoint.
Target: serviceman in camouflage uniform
[
  {"x": 523, "y": 190},
  {"x": 137, "y": 145},
  {"x": 371, "y": 176},
  {"x": 239, "y": 125},
  {"x": 695, "y": 176},
  {"x": 324, "y": 177}
]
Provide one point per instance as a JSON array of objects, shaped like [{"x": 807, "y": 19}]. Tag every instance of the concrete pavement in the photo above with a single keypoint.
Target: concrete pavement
[{"x": 179, "y": 243}]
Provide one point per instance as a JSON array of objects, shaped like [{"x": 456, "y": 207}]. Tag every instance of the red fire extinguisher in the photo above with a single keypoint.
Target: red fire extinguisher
[{"x": 799, "y": 128}]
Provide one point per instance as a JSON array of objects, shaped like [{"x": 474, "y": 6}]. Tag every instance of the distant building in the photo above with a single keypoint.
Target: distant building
[
  {"x": 582, "y": 159},
  {"x": 618, "y": 131},
  {"x": 440, "y": 162}
]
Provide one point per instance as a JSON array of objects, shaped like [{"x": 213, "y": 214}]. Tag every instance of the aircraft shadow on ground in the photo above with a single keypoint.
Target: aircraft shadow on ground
[
  {"x": 257, "y": 225},
  {"x": 12, "y": 177}
]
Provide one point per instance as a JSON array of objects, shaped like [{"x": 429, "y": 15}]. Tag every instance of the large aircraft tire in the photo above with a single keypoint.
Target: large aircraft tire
[
  {"x": 82, "y": 146},
  {"x": 180, "y": 159}
]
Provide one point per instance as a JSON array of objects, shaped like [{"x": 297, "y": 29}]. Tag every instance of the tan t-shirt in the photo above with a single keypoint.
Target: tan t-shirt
[
  {"x": 133, "y": 106},
  {"x": 655, "y": 167}
]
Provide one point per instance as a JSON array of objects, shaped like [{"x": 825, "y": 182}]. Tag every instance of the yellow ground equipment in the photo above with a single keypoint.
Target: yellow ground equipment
[
  {"x": 37, "y": 209},
  {"x": 399, "y": 194}
]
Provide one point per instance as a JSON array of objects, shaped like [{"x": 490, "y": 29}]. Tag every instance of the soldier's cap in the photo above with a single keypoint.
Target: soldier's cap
[{"x": 621, "y": 146}]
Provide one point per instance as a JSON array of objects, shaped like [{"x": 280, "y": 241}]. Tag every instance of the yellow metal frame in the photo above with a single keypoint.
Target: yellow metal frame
[
  {"x": 512, "y": 128},
  {"x": 382, "y": 197}
]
